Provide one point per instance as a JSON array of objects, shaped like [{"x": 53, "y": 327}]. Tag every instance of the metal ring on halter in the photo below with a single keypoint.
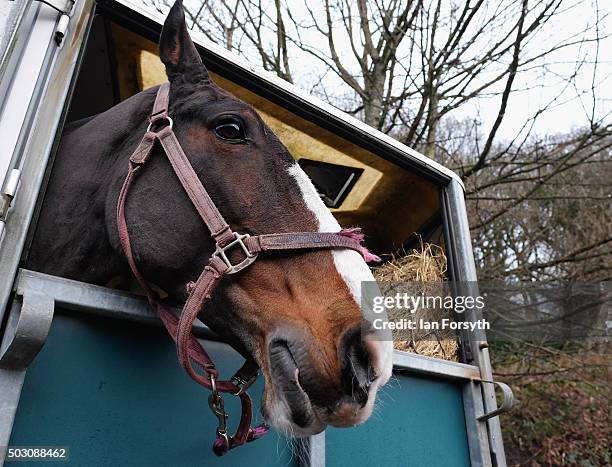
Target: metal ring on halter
[
  {"x": 213, "y": 385},
  {"x": 225, "y": 438},
  {"x": 154, "y": 122}
]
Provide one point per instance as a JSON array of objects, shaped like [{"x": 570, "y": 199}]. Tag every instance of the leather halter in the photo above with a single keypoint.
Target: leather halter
[{"x": 189, "y": 348}]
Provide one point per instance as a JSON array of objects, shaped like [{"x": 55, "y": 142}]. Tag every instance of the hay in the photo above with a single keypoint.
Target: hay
[{"x": 426, "y": 265}]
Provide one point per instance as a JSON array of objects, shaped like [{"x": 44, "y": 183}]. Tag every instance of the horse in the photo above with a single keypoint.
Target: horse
[{"x": 296, "y": 314}]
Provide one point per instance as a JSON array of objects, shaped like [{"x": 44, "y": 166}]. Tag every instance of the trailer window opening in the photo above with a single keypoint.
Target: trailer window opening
[{"x": 332, "y": 181}]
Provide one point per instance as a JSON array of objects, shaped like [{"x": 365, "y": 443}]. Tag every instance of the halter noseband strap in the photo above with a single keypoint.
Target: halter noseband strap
[{"x": 189, "y": 348}]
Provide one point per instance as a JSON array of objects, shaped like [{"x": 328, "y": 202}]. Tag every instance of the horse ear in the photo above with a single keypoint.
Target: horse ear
[{"x": 176, "y": 49}]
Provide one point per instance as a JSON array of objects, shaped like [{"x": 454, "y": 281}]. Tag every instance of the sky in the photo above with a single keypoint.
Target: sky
[
  {"x": 538, "y": 88},
  {"x": 566, "y": 89},
  {"x": 575, "y": 104}
]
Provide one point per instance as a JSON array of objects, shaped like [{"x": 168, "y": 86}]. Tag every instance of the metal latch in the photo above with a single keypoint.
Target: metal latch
[
  {"x": 507, "y": 401},
  {"x": 65, "y": 8}
]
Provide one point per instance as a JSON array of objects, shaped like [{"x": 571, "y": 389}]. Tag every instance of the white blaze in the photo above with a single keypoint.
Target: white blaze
[{"x": 349, "y": 264}]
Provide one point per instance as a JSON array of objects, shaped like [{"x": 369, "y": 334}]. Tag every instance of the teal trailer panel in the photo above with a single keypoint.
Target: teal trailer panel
[
  {"x": 114, "y": 393},
  {"x": 418, "y": 421}
]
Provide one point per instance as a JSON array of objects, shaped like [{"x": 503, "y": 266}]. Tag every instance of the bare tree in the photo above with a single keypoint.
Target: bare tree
[
  {"x": 410, "y": 67},
  {"x": 545, "y": 212}
]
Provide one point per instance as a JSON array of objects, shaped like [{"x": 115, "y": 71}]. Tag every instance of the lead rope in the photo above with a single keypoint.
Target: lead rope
[{"x": 189, "y": 349}]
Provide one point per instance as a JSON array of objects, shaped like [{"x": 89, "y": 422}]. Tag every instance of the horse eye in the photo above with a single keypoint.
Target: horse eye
[{"x": 231, "y": 131}]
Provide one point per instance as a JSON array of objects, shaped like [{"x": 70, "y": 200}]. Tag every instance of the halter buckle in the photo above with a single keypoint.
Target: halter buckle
[
  {"x": 243, "y": 384},
  {"x": 221, "y": 252}
]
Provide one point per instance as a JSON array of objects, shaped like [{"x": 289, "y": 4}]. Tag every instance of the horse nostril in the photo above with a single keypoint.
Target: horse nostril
[{"x": 357, "y": 371}]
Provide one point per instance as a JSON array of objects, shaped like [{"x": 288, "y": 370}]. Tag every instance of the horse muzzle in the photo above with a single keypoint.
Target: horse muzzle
[{"x": 305, "y": 393}]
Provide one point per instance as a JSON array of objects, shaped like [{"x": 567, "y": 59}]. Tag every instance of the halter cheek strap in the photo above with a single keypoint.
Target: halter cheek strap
[{"x": 189, "y": 349}]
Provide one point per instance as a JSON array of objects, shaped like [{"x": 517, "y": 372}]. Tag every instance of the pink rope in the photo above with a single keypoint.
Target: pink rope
[{"x": 356, "y": 234}]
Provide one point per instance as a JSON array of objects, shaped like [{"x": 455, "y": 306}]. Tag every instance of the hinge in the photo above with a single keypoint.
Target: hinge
[
  {"x": 465, "y": 349},
  {"x": 7, "y": 195},
  {"x": 65, "y": 8},
  {"x": 26, "y": 330}
]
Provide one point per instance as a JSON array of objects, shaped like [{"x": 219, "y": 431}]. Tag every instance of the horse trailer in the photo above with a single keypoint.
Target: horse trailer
[{"x": 89, "y": 369}]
